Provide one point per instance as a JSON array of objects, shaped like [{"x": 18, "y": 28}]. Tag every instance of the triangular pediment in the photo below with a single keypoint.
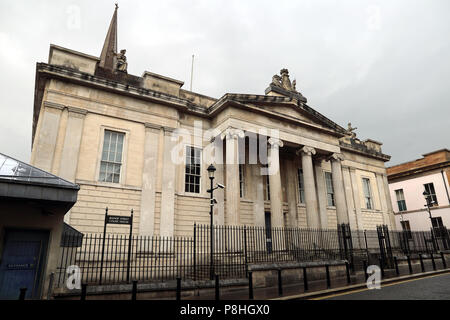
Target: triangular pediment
[{"x": 301, "y": 112}]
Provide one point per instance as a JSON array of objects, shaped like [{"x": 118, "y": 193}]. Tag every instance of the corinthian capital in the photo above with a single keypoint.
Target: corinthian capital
[
  {"x": 307, "y": 150},
  {"x": 274, "y": 142},
  {"x": 232, "y": 133},
  {"x": 337, "y": 157}
]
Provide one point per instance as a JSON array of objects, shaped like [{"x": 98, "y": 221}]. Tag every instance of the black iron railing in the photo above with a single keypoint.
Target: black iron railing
[{"x": 156, "y": 258}]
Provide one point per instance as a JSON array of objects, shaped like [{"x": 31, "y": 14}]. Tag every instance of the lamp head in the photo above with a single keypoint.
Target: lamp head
[{"x": 211, "y": 169}]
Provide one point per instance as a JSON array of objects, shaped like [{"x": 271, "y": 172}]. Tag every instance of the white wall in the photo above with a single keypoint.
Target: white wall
[{"x": 413, "y": 189}]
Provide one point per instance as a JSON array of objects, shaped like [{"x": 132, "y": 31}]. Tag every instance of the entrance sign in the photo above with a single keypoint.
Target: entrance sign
[{"x": 117, "y": 220}]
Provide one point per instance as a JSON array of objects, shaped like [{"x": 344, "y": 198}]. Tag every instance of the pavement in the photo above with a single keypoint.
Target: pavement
[
  {"x": 339, "y": 288},
  {"x": 432, "y": 287}
]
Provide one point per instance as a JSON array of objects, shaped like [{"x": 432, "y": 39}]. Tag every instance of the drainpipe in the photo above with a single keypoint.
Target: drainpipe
[{"x": 445, "y": 185}]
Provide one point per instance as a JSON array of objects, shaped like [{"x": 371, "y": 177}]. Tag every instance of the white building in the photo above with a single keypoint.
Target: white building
[{"x": 408, "y": 181}]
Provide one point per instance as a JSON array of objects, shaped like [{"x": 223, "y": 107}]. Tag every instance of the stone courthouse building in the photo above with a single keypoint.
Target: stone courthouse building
[{"x": 120, "y": 138}]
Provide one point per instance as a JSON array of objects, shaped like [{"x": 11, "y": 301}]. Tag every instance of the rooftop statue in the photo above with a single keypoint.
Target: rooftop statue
[
  {"x": 283, "y": 81},
  {"x": 121, "y": 64},
  {"x": 351, "y": 130}
]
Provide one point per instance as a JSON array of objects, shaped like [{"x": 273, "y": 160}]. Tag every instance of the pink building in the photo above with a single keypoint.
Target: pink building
[{"x": 408, "y": 181}]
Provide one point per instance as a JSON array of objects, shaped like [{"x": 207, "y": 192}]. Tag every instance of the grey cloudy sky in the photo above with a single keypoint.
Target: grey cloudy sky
[{"x": 383, "y": 65}]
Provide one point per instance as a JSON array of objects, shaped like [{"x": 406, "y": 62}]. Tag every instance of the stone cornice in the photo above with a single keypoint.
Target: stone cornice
[
  {"x": 121, "y": 88},
  {"x": 364, "y": 151}
]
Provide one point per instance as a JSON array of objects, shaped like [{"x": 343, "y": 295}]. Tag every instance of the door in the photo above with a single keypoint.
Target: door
[
  {"x": 22, "y": 263},
  {"x": 268, "y": 223}
]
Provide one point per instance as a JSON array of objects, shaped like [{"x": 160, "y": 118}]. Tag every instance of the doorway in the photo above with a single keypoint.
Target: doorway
[{"x": 23, "y": 260}]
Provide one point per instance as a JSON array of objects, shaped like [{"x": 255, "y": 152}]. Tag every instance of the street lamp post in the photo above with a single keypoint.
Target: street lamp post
[
  {"x": 211, "y": 169},
  {"x": 429, "y": 203}
]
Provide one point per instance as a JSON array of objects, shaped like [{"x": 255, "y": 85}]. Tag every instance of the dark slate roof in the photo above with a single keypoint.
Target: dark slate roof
[{"x": 71, "y": 237}]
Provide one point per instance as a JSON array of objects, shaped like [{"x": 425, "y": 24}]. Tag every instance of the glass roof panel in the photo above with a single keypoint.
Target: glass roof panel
[{"x": 12, "y": 169}]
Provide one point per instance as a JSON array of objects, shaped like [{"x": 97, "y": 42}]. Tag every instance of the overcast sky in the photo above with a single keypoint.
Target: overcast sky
[{"x": 383, "y": 65}]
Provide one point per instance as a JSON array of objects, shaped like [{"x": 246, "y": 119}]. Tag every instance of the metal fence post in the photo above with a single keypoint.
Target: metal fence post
[
  {"x": 347, "y": 271},
  {"x": 245, "y": 249},
  {"x": 433, "y": 262},
  {"x": 217, "y": 287},
  {"x": 250, "y": 285},
  {"x": 23, "y": 292},
  {"x": 444, "y": 263},
  {"x": 194, "y": 251},
  {"x": 178, "y": 297},
  {"x": 83, "y": 291},
  {"x": 397, "y": 271},
  {"x": 134, "y": 291},
  {"x": 409, "y": 264},
  {"x": 365, "y": 270},
  {"x": 327, "y": 271},
  {"x": 305, "y": 280},
  {"x": 130, "y": 239},
  {"x": 381, "y": 267},
  {"x": 280, "y": 283},
  {"x": 422, "y": 266}
]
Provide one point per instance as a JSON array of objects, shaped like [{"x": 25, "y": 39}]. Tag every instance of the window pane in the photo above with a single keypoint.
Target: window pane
[
  {"x": 111, "y": 156},
  {"x": 192, "y": 170}
]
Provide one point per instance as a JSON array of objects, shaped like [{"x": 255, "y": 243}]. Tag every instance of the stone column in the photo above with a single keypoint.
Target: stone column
[
  {"x": 149, "y": 173},
  {"x": 321, "y": 194},
  {"x": 349, "y": 196},
  {"x": 381, "y": 195},
  {"x": 167, "y": 219},
  {"x": 258, "y": 195},
  {"x": 292, "y": 190},
  {"x": 312, "y": 214},
  {"x": 68, "y": 163},
  {"x": 233, "y": 199},
  {"x": 390, "y": 210},
  {"x": 46, "y": 136},
  {"x": 338, "y": 187},
  {"x": 276, "y": 196},
  {"x": 356, "y": 199}
]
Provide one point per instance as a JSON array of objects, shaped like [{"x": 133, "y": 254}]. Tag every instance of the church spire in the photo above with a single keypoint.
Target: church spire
[{"x": 107, "y": 57}]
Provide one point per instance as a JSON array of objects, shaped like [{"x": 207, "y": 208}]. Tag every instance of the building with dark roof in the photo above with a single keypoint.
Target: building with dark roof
[{"x": 32, "y": 208}]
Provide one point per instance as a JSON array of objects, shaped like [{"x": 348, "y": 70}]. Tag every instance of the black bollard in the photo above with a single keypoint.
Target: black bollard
[
  {"x": 397, "y": 271},
  {"x": 134, "y": 290},
  {"x": 280, "y": 283},
  {"x": 250, "y": 285},
  {"x": 347, "y": 271},
  {"x": 422, "y": 266},
  {"x": 305, "y": 280},
  {"x": 217, "y": 288},
  {"x": 409, "y": 264},
  {"x": 23, "y": 292},
  {"x": 365, "y": 270},
  {"x": 83, "y": 291},
  {"x": 178, "y": 296},
  {"x": 327, "y": 270},
  {"x": 381, "y": 267},
  {"x": 444, "y": 263},
  {"x": 433, "y": 262}
]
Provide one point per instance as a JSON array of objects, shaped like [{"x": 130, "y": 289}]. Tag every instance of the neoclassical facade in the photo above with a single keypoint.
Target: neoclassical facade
[{"x": 144, "y": 143}]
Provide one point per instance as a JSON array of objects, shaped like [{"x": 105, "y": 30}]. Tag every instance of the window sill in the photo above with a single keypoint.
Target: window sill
[
  {"x": 370, "y": 210},
  {"x": 193, "y": 195},
  {"x": 107, "y": 185}
]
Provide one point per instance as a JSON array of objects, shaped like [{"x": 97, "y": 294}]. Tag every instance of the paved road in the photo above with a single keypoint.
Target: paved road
[{"x": 430, "y": 288}]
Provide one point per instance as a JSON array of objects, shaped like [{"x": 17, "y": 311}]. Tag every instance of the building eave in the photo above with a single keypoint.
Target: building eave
[{"x": 364, "y": 151}]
